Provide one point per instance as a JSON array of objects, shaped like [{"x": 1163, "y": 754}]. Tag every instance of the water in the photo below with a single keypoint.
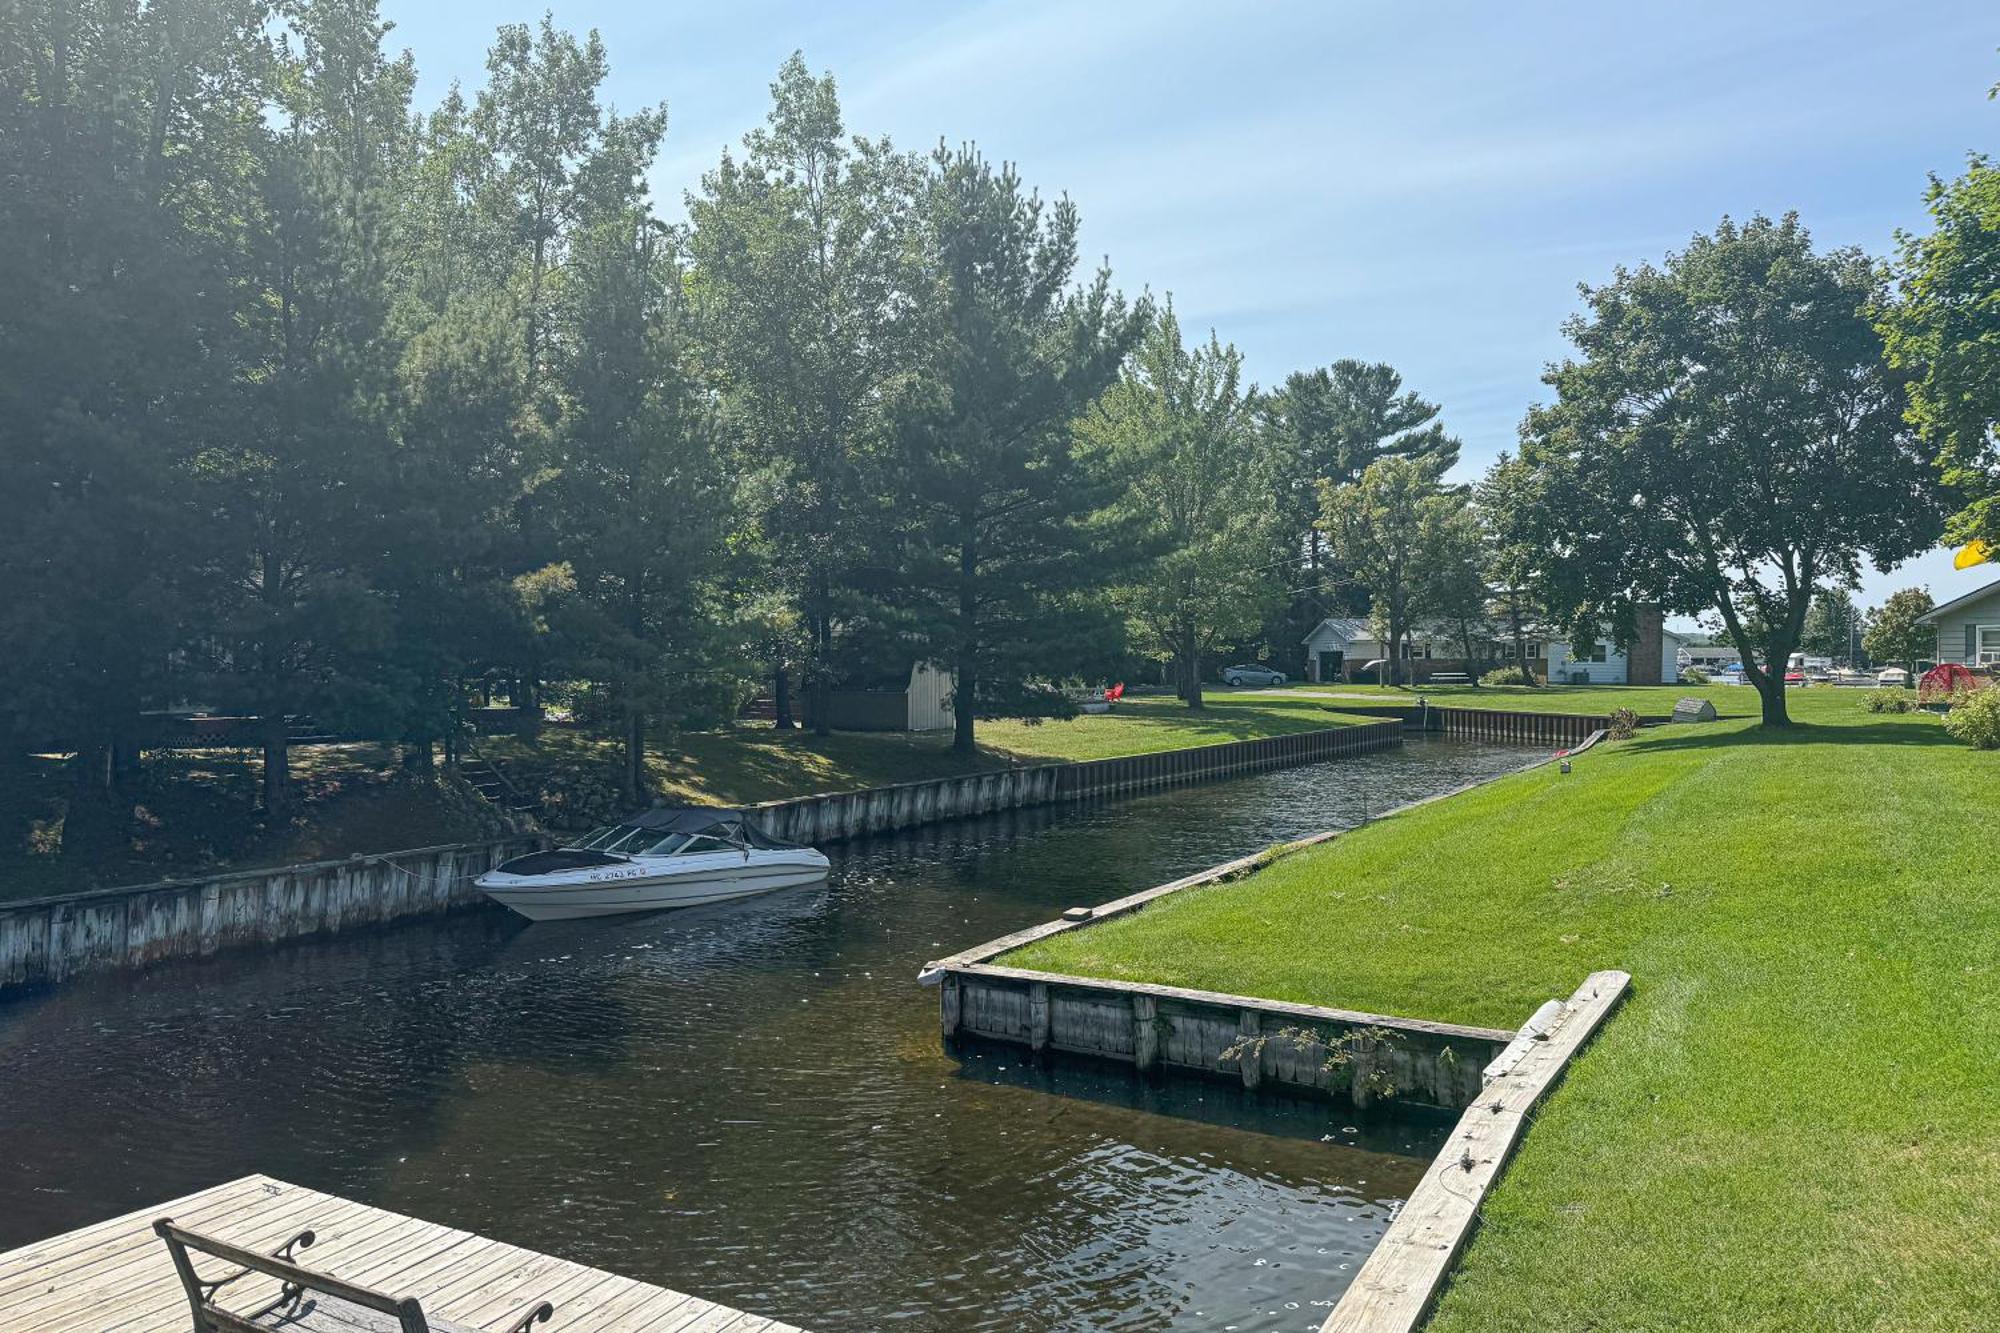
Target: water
[{"x": 750, "y": 1102}]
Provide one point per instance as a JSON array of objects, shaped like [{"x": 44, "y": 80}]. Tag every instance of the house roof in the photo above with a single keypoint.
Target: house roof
[
  {"x": 1349, "y": 628},
  {"x": 1977, "y": 594}
]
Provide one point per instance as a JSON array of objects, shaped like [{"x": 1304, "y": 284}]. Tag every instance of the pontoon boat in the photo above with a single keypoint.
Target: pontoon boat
[{"x": 664, "y": 857}]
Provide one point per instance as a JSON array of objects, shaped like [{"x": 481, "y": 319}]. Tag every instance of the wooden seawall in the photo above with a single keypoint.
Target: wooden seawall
[
  {"x": 836, "y": 815},
  {"x": 45, "y": 940}
]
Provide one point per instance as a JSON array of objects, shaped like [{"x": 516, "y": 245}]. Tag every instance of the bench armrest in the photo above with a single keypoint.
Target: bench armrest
[{"x": 540, "y": 1314}]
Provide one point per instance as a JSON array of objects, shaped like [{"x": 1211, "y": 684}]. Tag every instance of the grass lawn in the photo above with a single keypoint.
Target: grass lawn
[
  {"x": 1792, "y": 1122},
  {"x": 747, "y": 763},
  {"x": 1646, "y": 700}
]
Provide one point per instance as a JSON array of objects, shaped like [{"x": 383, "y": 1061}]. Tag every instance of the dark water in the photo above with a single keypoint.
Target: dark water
[{"x": 749, "y": 1101}]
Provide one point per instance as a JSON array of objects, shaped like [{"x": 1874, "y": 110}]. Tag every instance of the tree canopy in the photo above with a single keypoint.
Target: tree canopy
[{"x": 1727, "y": 439}]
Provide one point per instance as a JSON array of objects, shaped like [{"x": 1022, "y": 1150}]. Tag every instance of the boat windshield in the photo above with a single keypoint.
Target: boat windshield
[{"x": 630, "y": 840}]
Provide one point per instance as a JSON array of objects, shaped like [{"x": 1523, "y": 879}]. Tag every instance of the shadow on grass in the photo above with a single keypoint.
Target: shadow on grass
[{"x": 1703, "y": 736}]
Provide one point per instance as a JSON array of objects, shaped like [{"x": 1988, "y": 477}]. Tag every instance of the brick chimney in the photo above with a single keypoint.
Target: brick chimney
[{"x": 1648, "y": 645}]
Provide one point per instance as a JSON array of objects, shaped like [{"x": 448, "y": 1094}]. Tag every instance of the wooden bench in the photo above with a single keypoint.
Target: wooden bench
[{"x": 309, "y": 1301}]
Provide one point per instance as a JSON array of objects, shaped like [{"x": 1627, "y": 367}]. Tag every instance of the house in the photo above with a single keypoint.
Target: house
[
  {"x": 1968, "y": 628},
  {"x": 1653, "y": 658},
  {"x": 918, "y": 699},
  {"x": 1339, "y": 647}
]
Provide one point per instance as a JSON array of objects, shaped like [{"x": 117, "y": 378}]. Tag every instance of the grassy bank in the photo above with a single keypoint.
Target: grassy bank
[
  {"x": 1653, "y": 700},
  {"x": 1791, "y": 1123},
  {"x": 191, "y": 812},
  {"x": 743, "y": 764}
]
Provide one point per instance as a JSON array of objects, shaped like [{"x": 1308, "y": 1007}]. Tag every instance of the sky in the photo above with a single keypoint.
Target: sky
[{"x": 1419, "y": 184}]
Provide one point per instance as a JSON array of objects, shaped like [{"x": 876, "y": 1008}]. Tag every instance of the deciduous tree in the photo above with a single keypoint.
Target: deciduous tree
[
  {"x": 1197, "y": 491},
  {"x": 1893, "y": 632},
  {"x": 1726, "y": 439}
]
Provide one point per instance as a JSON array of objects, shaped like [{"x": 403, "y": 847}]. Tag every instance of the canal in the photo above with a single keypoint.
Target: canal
[{"x": 750, "y": 1102}]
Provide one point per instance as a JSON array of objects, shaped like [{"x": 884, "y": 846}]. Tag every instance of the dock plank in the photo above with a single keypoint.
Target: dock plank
[{"x": 114, "y": 1276}]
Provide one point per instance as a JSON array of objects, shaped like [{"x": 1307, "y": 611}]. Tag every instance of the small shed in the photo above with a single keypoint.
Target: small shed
[{"x": 917, "y": 700}]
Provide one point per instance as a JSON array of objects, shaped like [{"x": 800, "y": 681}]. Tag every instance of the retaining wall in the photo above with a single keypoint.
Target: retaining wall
[
  {"x": 44, "y": 940},
  {"x": 1356, "y": 1058},
  {"x": 836, "y": 815}
]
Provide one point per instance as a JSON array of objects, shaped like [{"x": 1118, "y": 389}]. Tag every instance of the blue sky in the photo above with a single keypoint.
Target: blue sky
[{"x": 1418, "y": 184}]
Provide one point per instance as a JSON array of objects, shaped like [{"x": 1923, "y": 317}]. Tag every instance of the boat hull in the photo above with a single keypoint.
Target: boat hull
[{"x": 637, "y": 887}]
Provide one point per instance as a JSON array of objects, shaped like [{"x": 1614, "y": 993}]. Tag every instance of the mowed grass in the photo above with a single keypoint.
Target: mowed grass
[
  {"x": 1646, "y": 700},
  {"x": 748, "y": 763},
  {"x": 1793, "y": 1123}
]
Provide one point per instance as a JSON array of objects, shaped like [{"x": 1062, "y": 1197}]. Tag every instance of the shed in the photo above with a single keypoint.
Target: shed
[{"x": 919, "y": 699}]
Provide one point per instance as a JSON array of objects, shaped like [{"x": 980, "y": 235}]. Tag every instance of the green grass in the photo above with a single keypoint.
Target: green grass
[
  {"x": 1647, "y": 700},
  {"x": 742, "y": 764},
  {"x": 1791, "y": 1124}
]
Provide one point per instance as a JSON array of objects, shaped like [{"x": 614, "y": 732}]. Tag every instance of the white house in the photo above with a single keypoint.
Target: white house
[
  {"x": 1651, "y": 659},
  {"x": 1968, "y": 628},
  {"x": 1340, "y": 645}
]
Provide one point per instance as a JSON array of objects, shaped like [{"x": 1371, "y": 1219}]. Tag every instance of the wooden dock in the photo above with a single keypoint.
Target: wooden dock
[{"x": 116, "y": 1274}]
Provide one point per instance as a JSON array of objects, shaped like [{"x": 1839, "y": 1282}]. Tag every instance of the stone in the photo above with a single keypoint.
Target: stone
[{"x": 1694, "y": 710}]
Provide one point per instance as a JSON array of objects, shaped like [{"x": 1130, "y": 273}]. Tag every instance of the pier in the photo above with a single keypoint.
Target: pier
[{"x": 117, "y": 1274}]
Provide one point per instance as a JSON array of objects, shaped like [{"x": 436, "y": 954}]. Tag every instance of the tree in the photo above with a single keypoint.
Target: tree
[
  {"x": 1727, "y": 440},
  {"x": 1407, "y": 540},
  {"x": 295, "y": 489},
  {"x": 801, "y": 266},
  {"x": 1329, "y": 425},
  {"x": 124, "y": 131},
  {"x": 1832, "y": 625},
  {"x": 1197, "y": 490},
  {"x": 1944, "y": 330},
  {"x": 1893, "y": 633},
  {"x": 998, "y": 552},
  {"x": 644, "y": 504},
  {"x": 1510, "y": 563}
]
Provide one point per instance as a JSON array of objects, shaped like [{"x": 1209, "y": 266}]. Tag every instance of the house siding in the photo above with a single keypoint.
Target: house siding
[{"x": 1956, "y": 628}]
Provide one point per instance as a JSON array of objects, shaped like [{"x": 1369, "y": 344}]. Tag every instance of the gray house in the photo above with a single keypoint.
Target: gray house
[{"x": 1968, "y": 628}]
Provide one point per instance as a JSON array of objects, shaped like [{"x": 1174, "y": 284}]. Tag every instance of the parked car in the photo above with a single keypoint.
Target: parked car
[{"x": 1252, "y": 674}]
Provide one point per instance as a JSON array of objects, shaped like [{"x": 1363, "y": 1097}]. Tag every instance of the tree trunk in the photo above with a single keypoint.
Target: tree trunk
[
  {"x": 635, "y": 756},
  {"x": 1190, "y": 656},
  {"x": 966, "y": 682},
  {"x": 276, "y": 733},
  {"x": 781, "y": 698},
  {"x": 1771, "y": 692}
]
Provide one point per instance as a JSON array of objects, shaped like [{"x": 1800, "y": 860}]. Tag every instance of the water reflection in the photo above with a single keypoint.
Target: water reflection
[{"x": 749, "y": 1100}]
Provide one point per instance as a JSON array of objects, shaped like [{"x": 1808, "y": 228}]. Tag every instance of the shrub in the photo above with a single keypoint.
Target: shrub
[
  {"x": 1694, "y": 676},
  {"x": 1624, "y": 724},
  {"x": 1975, "y": 718},
  {"x": 1508, "y": 676},
  {"x": 1887, "y": 699}
]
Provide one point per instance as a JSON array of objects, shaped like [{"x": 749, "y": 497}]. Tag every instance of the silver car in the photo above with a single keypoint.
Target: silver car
[{"x": 1252, "y": 674}]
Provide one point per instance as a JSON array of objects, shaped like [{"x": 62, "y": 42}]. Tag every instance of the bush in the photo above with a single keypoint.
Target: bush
[
  {"x": 1694, "y": 676},
  {"x": 1624, "y": 724},
  {"x": 1975, "y": 718},
  {"x": 1508, "y": 676},
  {"x": 1888, "y": 699}
]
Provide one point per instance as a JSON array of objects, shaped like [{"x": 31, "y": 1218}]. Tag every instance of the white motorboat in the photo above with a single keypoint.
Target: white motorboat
[{"x": 662, "y": 858}]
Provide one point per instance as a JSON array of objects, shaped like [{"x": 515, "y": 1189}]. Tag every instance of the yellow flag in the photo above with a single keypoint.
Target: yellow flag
[{"x": 1972, "y": 553}]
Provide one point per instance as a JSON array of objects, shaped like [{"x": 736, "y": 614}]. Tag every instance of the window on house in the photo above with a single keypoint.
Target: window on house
[
  {"x": 1597, "y": 652},
  {"x": 1988, "y": 646}
]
